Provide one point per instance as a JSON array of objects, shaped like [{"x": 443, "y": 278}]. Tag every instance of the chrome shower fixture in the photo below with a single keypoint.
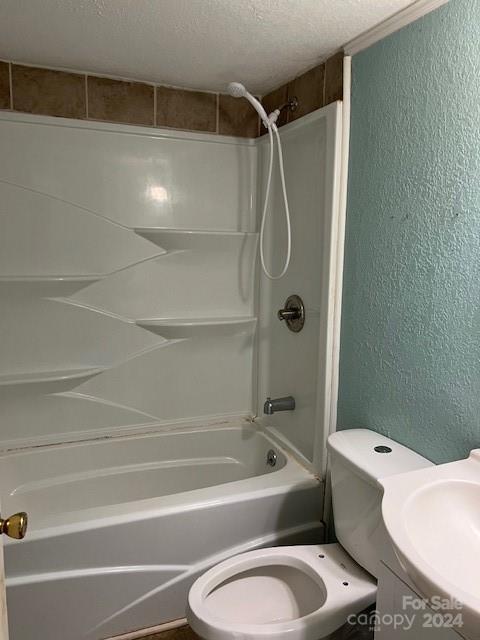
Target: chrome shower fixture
[
  {"x": 272, "y": 405},
  {"x": 290, "y": 105},
  {"x": 293, "y": 313}
]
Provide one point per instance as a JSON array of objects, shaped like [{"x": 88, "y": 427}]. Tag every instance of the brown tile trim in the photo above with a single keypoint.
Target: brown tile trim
[
  {"x": 188, "y": 110},
  {"x": 120, "y": 101},
  {"x": 236, "y": 117},
  {"x": 309, "y": 88},
  {"x": 80, "y": 95},
  {"x": 334, "y": 78},
  {"x": 90, "y": 97},
  {"x": 48, "y": 92},
  {"x": 314, "y": 89},
  {"x": 5, "y": 97}
]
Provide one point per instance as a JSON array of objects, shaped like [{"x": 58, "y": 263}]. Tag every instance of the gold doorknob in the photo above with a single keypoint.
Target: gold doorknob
[{"x": 15, "y": 526}]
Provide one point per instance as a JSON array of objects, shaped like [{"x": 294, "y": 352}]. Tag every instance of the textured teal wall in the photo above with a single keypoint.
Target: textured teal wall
[{"x": 410, "y": 349}]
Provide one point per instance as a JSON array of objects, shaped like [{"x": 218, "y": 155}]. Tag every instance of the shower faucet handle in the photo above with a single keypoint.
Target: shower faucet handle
[
  {"x": 289, "y": 314},
  {"x": 293, "y": 313}
]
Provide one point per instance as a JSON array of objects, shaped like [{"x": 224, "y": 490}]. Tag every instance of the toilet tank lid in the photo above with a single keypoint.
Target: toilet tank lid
[{"x": 374, "y": 456}]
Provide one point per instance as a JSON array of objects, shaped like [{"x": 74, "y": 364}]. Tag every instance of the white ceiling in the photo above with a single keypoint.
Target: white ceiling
[{"x": 189, "y": 43}]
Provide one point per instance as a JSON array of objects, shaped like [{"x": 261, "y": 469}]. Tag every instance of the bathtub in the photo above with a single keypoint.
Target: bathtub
[{"x": 120, "y": 528}]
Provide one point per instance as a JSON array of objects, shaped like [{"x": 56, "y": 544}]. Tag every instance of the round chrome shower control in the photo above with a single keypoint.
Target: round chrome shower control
[{"x": 293, "y": 313}]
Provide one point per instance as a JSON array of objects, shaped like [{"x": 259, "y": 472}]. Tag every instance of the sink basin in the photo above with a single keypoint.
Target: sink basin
[
  {"x": 453, "y": 506},
  {"x": 433, "y": 519}
]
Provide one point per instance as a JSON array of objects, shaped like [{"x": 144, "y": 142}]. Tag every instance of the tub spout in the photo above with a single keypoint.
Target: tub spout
[{"x": 278, "y": 404}]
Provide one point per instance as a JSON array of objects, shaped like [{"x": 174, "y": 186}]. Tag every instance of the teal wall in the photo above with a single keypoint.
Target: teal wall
[{"x": 410, "y": 349}]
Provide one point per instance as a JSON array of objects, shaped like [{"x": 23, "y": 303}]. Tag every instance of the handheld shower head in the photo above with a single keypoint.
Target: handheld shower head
[{"x": 237, "y": 90}]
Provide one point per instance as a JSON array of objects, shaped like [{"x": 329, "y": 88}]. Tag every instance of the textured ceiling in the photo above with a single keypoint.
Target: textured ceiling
[{"x": 190, "y": 43}]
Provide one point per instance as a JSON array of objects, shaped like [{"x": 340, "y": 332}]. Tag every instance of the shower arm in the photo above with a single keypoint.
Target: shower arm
[{"x": 291, "y": 104}]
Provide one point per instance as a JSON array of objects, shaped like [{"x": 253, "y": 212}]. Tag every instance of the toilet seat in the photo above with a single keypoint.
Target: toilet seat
[{"x": 280, "y": 593}]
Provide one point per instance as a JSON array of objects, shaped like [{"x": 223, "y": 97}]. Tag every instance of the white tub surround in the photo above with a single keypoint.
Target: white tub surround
[{"x": 120, "y": 529}]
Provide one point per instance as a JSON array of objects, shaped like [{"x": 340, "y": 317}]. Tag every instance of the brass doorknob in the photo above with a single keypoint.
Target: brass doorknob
[{"x": 15, "y": 526}]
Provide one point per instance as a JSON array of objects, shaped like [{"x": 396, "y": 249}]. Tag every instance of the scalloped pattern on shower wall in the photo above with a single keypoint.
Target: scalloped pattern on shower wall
[
  {"x": 410, "y": 347},
  {"x": 127, "y": 262}
]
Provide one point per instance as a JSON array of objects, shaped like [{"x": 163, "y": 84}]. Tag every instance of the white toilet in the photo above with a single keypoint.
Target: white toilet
[{"x": 307, "y": 592}]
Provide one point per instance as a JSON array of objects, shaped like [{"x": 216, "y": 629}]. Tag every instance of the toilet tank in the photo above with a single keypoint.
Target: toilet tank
[{"x": 358, "y": 459}]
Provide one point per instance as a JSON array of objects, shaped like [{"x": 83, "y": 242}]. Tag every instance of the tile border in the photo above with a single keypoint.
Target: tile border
[
  {"x": 309, "y": 100},
  {"x": 47, "y": 92},
  {"x": 235, "y": 120}
]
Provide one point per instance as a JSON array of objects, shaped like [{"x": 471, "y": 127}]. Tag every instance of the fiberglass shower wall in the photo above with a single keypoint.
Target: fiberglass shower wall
[
  {"x": 302, "y": 364},
  {"x": 127, "y": 261}
]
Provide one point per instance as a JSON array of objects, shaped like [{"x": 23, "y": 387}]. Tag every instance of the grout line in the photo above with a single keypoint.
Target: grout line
[
  {"x": 217, "y": 112},
  {"x": 86, "y": 96},
  {"x": 155, "y": 106},
  {"x": 324, "y": 95},
  {"x": 10, "y": 81}
]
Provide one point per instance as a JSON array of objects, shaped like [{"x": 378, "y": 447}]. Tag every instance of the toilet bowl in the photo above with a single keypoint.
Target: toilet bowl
[
  {"x": 307, "y": 592},
  {"x": 286, "y": 593}
]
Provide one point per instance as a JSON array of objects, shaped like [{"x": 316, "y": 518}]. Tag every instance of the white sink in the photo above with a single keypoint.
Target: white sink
[{"x": 433, "y": 519}]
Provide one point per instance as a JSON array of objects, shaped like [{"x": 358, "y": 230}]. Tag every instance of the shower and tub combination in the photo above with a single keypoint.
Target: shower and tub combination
[{"x": 143, "y": 344}]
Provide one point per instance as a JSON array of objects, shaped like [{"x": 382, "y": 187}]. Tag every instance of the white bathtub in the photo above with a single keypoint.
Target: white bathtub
[{"x": 119, "y": 529}]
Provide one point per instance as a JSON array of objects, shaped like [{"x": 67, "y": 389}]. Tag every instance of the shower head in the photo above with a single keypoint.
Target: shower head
[{"x": 237, "y": 90}]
